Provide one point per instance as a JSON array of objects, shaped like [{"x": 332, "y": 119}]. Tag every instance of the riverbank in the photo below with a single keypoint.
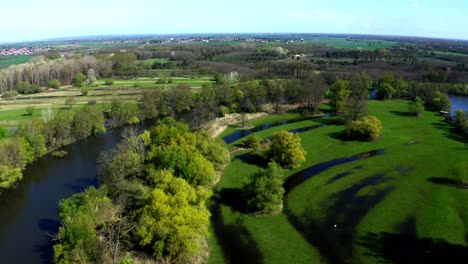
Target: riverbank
[{"x": 331, "y": 217}]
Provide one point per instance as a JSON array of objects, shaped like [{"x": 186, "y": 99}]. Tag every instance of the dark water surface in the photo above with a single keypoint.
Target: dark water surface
[{"x": 29, "y": 212}]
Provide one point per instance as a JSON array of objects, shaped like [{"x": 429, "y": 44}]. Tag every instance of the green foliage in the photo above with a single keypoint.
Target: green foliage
[
  {"x": 53, "y": 55},
  {"x": 122, "y": 112},
  {"x": 385, "y": 91},
  {"x": 252, "y": 142},
  {"x": 286, "y": 149},
  {"x": 33, "y": 132},
  {"x": 133, "y": 120},
  {"x": 70, "y": 102},
  {"x": 214, "y": 150},
  {"x": 9, "y": 94},
  {"x": 265, "y": 191},
  {"x": 79, "y": 79},
  {"x": 59, "y": 153},
  {"x": 15, "y": 152},
  {"x": 27, "y": 88},
  {"x": 365, "y": 128},
  {"x": 30, "y": 110},
  {"x": 339, "y": 93},
  {"x": 54, "y": 84},
  {"x": 416, "y": 107},
  {"x": 84, "y": 91},
  {"x": 461, "y": 121},
  {"x": 2, "y": 132},
  {"x": 9, "y": 176},
  {"x": 173, "y": 223},
  {"x": 441, "y": 102},
  {"x": 356, "y": 103},
  {"x": 109, "y": 82},
  {"x": 81, "y": 214},
  {"x": 223, "y": 110},
  {"x": 87, "y": 121},
  {"x": 167, "y": 130},
  {"x": 461, "y": 172}
]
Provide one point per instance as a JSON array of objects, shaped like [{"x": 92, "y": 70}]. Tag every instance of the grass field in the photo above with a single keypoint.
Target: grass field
[
  {"x": 377, "y": 204},
  {"x": 344, "y": 43},
  {"x": 6, "y": 61}
]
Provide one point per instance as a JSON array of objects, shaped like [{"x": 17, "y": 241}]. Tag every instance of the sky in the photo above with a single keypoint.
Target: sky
[{"x": 41, "y": 19}]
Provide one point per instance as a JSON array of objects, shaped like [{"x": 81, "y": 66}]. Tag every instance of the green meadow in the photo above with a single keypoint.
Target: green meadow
[{"x": 362, "y": 211}]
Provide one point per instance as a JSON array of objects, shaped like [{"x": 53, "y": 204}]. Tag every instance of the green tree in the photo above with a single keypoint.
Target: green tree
[
  {"x": 54, "y": 84},
  {"x": 441, "y": 102},
  {"x": 30, "y": 110},
  {"x": 265, "y": 192},
  {"x": 367, "y": 128},
  {"x": 416, "y": 107},
  {"x": 339, "y": 94},
  {"x": 2, "y": 132},
  {"x": 461, "y": 121},
  {"x": 385, "y": 91},
  {"x": 356, "y": 103},
  {"x": 9, "y": 176},
  {"x": 173, "y": 223},
  {"x": 84, "y": 91},
  {"x": 79, "y": 79},
  {"x": 313, "y": 92},
  {"x": 286, "y": 149},
  {"x": 70, "y": 102},
  {"x": 461, "y": 172},
  {"x": 252, "y": 142}
]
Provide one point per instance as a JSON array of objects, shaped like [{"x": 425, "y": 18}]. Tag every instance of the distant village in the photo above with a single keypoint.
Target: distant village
[{"x": 23, "y": 51}]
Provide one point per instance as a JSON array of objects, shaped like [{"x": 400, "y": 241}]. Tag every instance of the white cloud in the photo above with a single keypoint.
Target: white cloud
[{"x": 415, "y": 4}]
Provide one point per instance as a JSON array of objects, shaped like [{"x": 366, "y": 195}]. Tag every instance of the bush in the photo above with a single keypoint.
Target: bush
[
  {"x": 54, "y": 84},
  {"x": 2, "y": 132},
  {"x": 264, "y": 193},
  {"x": 416, "y": 107},
  {"x": 79, "y": 80},
  {"x": 133, "y": 120},
  {"x": 286, "y": 149},
  {"x": 9, "y": 94},
  {"x": 109, "y": 82},
  {"x": 59, "y": 153},
  {"x": 461, "y": 121},
  {"x": 461, "y": 172},
  {"x": 252, "y": 142},
  {"x": 30, "y": 110},
  {"x": 84, "y": 91},
  {"x": 161, "y": 81},
  {"x": 27, "y": 88},
  {"x": 92, "y": 102},
  {"x": 367, "y": 128}
]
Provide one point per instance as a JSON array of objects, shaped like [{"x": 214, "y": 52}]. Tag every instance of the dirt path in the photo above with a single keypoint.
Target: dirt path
[{"x": 218, "y": 125}]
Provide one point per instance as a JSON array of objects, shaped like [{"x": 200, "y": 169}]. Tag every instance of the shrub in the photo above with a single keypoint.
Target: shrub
[
  {"x": 264, "y": 193},
  {"x": 59, "y": 153},
  {"x": 286, "y": 149},
  {"x": 79, "y": 79},
  {"x": 84, "y": 91},
  {"x": 133, "y": 120},
  {"x": 416, "y": 107},
  {"x": 92, "y": 102},
  {"x": 366, "y": 128},
  {"x": 30, "y": 110},
  {"x": 461, "y": 121},
  {"x": 54, "y": 84},
  {"x": 2, "y": 132},
  {"x": 9, "y": 94},
  {"x": 109, "y": 82},
  {"x": 252, "y": 142},
  {"x": 161, "y": 81}
]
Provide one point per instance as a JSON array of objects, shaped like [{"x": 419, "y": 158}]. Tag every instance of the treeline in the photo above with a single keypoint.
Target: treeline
[{"x": 151, "y": 202}]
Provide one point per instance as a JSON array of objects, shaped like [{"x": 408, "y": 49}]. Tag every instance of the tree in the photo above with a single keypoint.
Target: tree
[
  {"x": 173, "y": 223},
  {"x": 385, "y": 91},
  {"x": 9, "y": 176},
  {"x": 461, "y": 172},
  {"x": 314, "y": 92},
  {"x": 54, "y": 84},
  {"x": 441, "y": 102},
  {"x": 79, "y": 79},
  {"x": 70, "y": 102},
  {"x": 252, "y": 142},
  {"x": 339, "y": 94},
  {"x": 91, "y": 75},
  {"x": 286, "y": 149},
  {"x": 461, "y": 121},
  {"x": 30, "y": 110},
  {"x": 356, "y": 103},
  {"x": 265, "y": 192},
  {"x": 416, "y": 107},
  {"x": 367, "y": 128}
]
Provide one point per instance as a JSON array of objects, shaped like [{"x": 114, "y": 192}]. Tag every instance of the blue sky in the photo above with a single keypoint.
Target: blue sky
[{"x": 40, "y": 19}]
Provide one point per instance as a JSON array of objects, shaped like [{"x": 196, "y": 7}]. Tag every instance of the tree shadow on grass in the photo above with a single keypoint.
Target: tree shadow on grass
[
  {"x": 237, "y": 244},
  {"x": 396, "y": 248},
  {"x": 233, "y": 198},
  {"x": 334, "y": 234},
  {"x": 450, "y": 132},
  {"x": 447, "y": 182},
  {"x": 401, "y": 113},
  {"x": 254, "y": 158}
]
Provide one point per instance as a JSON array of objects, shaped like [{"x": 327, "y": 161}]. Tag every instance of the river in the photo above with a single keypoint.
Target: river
[
  {"x": 29, "y": 212},
  {"x": 458, "y": 102}
]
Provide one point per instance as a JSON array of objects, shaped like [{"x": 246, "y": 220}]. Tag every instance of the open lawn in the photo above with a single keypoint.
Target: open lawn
[{"x": 386, "y": 207}]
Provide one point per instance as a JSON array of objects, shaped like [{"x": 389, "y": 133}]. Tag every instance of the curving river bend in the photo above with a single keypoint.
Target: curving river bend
[{"x": 29, "y": 212}]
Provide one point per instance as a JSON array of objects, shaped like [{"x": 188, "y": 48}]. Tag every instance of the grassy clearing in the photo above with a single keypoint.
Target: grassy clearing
[
  {"x": 388, "y": 193},
  {"x": 152, "y": 61}
]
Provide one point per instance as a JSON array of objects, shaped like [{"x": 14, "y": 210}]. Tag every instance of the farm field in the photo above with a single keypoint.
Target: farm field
[
  {"x": 13, "y": 111},
  {"x": 344, "y": 43},
  {"x": 6, "y": 61},
  {"x": 363, "y": 211}
]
